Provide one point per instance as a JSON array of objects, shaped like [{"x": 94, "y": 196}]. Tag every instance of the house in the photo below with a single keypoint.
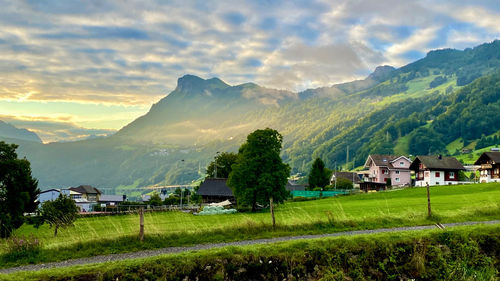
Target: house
[
  {"x": 350, "y": 176},
  {"x": 48, "y": 195},
  {"x": 490, "y": 167},
  {"x": 436, "y": 170},
  {"x": 291, "y": 186},
  {"x": 111, "y": 200},
  {"x": 215, "y": 190},
  {"x": 87, "y": 192},
  {"x": 384, "y": 167},
  {"x": 52, "y": 194}
]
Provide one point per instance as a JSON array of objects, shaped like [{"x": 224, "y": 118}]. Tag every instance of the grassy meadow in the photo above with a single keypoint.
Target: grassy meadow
[
  {"x": 461, "y": 253},
  {"x": 112, "y": 234}
]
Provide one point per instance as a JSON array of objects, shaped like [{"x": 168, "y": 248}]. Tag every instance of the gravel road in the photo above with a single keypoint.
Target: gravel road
[{"x": 172, "y": 250}]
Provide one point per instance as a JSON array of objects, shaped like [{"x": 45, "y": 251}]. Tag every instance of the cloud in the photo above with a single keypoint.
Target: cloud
[
  {"x": 55, "y": 129},
  {"x": 132, "y": 52}
]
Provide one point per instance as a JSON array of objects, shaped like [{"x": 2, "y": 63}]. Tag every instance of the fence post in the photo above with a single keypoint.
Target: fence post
[
  {"x": 141, "y": 224},
  {"x": 429, "y": 214}
]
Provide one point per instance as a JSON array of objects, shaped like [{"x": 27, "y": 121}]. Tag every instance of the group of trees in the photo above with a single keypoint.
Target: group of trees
[{"x": 18, "y": 194}]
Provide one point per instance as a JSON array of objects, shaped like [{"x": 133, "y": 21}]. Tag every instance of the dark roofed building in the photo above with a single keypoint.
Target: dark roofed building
[
  {"x": 294, "y": 187},
  {"x": 351, "y": 176},
  {"x": 490, "y": 167},
  {"x": 215, "y": 190},
  {"x": 436, "y": 170},
  {"x": 87, "y": 192},
  {"x": 112, "y": 199}
]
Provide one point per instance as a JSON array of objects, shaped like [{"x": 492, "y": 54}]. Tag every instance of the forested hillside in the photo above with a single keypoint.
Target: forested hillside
[{"x": 450, "y": 96}]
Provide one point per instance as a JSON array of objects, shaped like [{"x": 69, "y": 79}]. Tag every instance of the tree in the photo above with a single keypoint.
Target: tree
[
  {"x": 319, "y": 176},
  {"x": 259, "y": 174},
  {"x": 18, "y": 189},
  {"x": 344, "y": 183},
  {"x": 224, "y": 162},
  {"x": 155, "y": 199},
  {"x": 59, "y": 213}
]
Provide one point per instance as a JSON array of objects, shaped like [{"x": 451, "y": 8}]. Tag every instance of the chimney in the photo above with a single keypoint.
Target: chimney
[{"x": 440, "y": 157}]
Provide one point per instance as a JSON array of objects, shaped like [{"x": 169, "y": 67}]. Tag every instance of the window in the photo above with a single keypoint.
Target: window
[
  {"x": 397, "y": 172},
  {"x": 397, "y": 180},
  {"x": 384, "y": 172},
  {"x": 452, "y": 175},
  {"x": 402, "y": 164},
  {"x": 438, "y": 174}
]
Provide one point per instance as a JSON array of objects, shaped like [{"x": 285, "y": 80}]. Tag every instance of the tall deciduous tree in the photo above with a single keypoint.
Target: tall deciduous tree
[
  {"x": 319, "y": 176},
  {"x": 18, "y": 189},
  {"x": 224, "y": 163},
  {"x": 61, "y": 212},
  {"x": 259, "y": 175}
]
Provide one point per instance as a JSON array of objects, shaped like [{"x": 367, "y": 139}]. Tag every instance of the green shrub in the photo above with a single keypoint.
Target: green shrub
[{"x": 23, "y": 247}]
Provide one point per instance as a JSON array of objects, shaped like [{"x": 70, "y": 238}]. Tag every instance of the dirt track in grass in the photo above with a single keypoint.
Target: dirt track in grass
[{"x": 173, "y": 250}]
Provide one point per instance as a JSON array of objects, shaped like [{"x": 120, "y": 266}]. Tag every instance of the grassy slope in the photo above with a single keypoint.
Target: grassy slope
[
  {"x": 112, "y": 234},
  {"x": 297, "y": 255},
  {"x": 453, "y": 202}
]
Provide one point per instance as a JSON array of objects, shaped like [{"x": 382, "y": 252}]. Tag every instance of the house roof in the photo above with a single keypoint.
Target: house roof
[
  {"x": 292, "y": 187},
  {"x": 111, "y": 198},
  {"x": 50, "y": 190},
  {"x": 384, "y": 161},
  {"x": 215, "y": 187},
  {"x": 85, "y": 189},
  {"x": 346, "y": 175},
  {"x": 494, "y": 156},
  {"x": 436, "y": 162}
]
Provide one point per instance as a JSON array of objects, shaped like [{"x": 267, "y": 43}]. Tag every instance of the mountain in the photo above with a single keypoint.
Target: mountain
[
  {"x": 447, "y": 97},
  {"x": 9, "y": 131}
]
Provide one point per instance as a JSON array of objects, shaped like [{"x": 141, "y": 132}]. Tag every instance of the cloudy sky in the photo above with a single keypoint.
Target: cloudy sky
[{"x": 101, "y": 64}]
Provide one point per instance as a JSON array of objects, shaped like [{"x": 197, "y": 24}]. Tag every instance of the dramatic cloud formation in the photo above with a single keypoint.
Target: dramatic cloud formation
[{"x": 130, "y": 53}]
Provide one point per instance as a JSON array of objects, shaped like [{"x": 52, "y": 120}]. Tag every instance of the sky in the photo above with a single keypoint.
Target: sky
[{"x": 97, "y": 65}]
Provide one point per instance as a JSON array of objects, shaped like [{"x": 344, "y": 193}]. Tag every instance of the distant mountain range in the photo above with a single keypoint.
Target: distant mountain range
[
  {"x": 9, "y": 131},
  {"x": 441, "y": 103}
]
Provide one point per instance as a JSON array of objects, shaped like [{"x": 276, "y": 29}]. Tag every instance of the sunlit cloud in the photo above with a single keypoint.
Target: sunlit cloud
[{"x": 130, "y": 53}]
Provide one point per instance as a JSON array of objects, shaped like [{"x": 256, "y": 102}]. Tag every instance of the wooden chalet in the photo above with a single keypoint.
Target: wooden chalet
[
  {"x": 215, "y": 190},
  {"x": 436, "y": 170},
  {"x": 490, "y": 167}
]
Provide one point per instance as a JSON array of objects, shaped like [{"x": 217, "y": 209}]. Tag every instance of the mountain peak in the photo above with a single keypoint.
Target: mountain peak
[
  {"x": 10, "y": 131},
  {"x": 381, "y": 73},
  {"x": 193, "y": 83}
]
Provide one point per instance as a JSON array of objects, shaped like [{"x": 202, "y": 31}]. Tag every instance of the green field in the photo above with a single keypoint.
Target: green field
[
  {"x": 111, "y": 234},
  {"x": 460, "y": 253}
]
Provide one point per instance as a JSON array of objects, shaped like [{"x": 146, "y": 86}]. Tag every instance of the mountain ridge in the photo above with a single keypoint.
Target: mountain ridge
[{"x": 390, "y": 110}]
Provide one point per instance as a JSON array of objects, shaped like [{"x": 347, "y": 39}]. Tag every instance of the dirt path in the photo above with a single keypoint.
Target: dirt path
[{"x": 172, "y": 250}]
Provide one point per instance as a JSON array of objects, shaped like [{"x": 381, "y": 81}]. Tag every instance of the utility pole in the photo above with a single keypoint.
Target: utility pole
[
  {"x": 215, "y": 164},
  {"x": 429, "y": 213},
  {"x": 335, "y": 174},
  {"x": 347, "y": 159}
]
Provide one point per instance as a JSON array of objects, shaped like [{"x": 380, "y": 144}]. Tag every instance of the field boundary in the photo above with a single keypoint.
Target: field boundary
[{"x": 175, "y": 250}]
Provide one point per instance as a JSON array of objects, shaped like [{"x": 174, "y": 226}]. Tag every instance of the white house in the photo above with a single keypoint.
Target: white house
[{"x": 436, "y": 170}]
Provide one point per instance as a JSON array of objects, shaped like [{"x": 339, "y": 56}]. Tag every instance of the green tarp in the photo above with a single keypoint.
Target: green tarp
[{"x": 318, "y": 194}]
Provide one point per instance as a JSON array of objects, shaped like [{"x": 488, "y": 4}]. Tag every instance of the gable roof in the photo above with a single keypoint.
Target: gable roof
[
  {"x": 292, "y": 187},
  {"x": 494, "y": 156},
  {"x": 436, "y": 162},
  {"x": 347, "y": 176},
  {"x": 85, "y": 189},
  {"x": 50, "y": 190},
  {"x": 214, "y": 187},
  {"x": 384, "y": 161}
]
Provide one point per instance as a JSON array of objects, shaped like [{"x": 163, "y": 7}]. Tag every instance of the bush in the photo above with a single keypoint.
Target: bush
[
  {"x": 172, "y": 200},
  {"x": 22, "y": 247},
  {"x": 344, "y": 184}
]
